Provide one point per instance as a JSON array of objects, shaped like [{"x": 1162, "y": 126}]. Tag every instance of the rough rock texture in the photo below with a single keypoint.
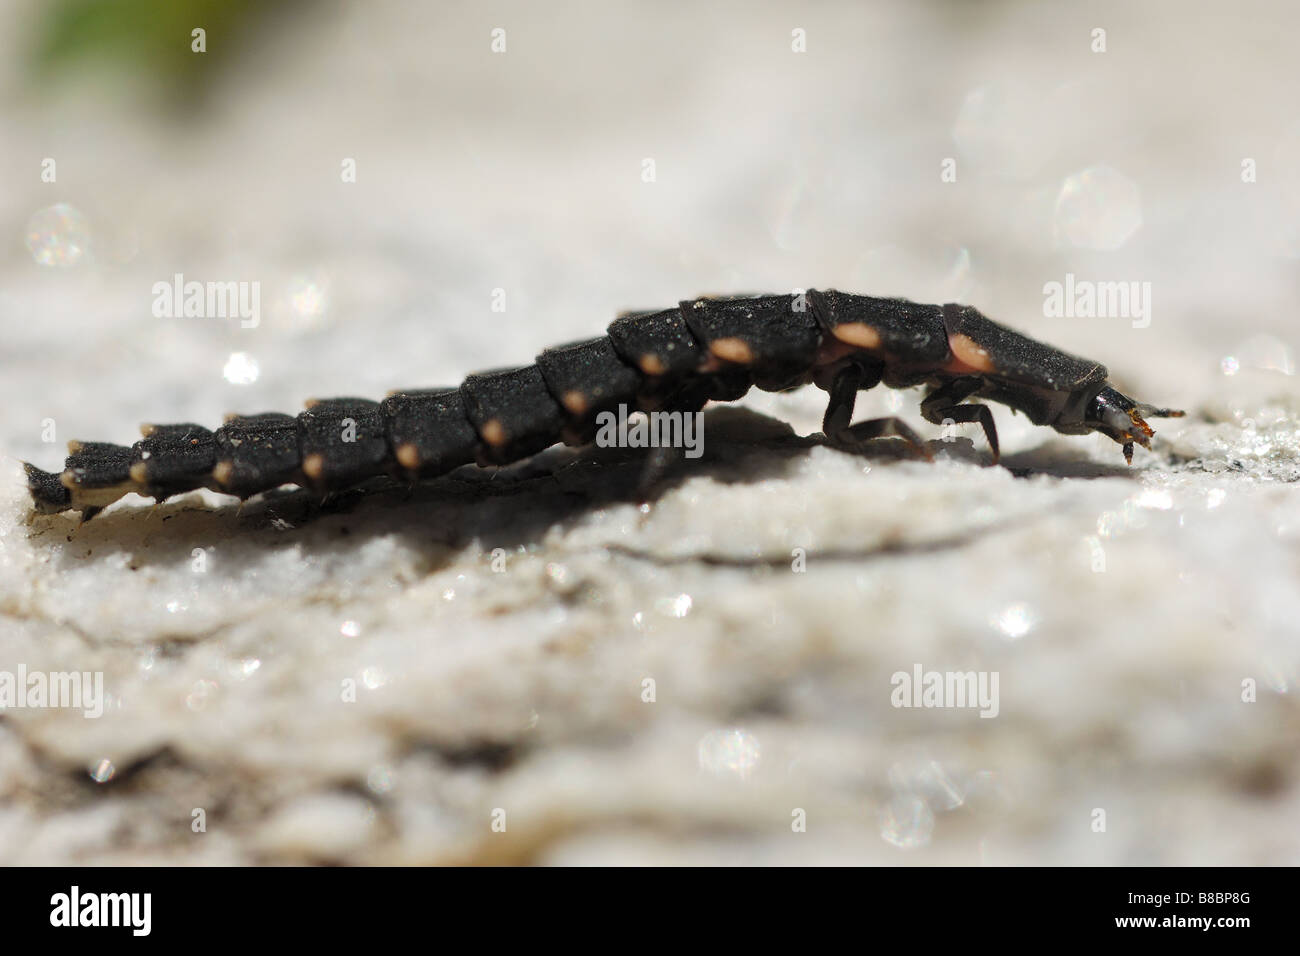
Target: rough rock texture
[{"x": 499, "y": 627}]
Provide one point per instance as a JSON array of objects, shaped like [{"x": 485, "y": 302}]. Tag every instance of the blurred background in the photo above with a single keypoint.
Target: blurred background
[
  {"x": 388, "y": 171},
  {"x": 523, "y": 170}
]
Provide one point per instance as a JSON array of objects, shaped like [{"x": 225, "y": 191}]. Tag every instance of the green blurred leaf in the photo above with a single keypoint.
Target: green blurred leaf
[{"x": 151, "y": 38}]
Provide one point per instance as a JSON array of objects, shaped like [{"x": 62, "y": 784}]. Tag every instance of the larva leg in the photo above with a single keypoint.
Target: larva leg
[
  {"x": 657, "y": 462},
  {"x": 853, "y": 376},
  {"x": 848, "y": 381},
  {"x": 689, "y": 398},
  {"x": 854, "y": 437},
  {"x": 963, "y": 414},
  {"x": 942, "y": 404}
]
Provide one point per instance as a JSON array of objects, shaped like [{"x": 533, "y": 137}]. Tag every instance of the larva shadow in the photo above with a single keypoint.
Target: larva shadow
[
  {"x": 508, "y": 507},
  {"x": 1056, "y": 460}
]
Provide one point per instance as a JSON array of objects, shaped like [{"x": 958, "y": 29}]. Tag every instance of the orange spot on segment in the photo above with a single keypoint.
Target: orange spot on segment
[
  {"x": 968, "y": 357},
  {"x": 494, "y": 433},
  {"x": 575, "y": 402},
  {"x": 734, "y": 350},
  {"x": 858, "y": 334},
  {"x": 652, "y": 364},
  {"x": 224, "y": 471},
  {"x": 140, "y": 473},
  {"x": 408, "y": 456},
  {"x": 313, "y": 466}
]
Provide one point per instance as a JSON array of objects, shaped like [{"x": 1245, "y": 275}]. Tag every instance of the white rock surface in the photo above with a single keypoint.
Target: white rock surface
[{"x": 1122, "y": 608}]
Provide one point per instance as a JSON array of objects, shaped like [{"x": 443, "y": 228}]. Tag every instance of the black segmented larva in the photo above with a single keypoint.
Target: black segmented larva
[{"x": 707, "y": 349}]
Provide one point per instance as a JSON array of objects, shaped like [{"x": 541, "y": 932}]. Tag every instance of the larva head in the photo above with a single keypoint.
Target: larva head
[{"x": 1123, "y": 420}]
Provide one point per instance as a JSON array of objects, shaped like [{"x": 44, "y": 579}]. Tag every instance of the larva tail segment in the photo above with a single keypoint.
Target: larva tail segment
[
  {"x": 96, "y": 474},
  {"x": 49, "y": 496},
  {"x": 169, "y": 460}
]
